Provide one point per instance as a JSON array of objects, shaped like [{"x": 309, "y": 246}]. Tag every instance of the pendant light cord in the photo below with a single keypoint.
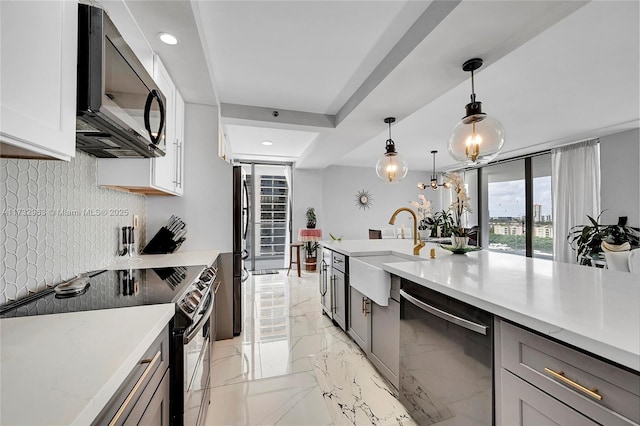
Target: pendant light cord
[
  {"x": 473, "y": 89},
  {"x": 433, "y": 176}
]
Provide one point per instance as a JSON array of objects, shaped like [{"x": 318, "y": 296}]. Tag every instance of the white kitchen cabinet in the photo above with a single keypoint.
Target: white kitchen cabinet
[
  {"x": 153, "y": 176},
  {"x": 163, "y": 169},
  {"x": 360, "y": 319},
  {"x": 38, "y": 67},
  {"x": 179, "y": 145}
]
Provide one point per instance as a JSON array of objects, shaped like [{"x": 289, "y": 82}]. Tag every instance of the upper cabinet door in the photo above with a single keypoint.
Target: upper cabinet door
[
  {"x": 179, "y": 126},
  {"x": 38, "y": 67},
  {"x": 164, "y": 168}
]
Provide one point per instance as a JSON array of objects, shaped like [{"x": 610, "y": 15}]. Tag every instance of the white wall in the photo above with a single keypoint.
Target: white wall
[
  {"x": 307, "y": 192},
  {"x": 342, "y": 217},
  {"x": 206, "y": 206},
  {"x": 620, "y": 177}
]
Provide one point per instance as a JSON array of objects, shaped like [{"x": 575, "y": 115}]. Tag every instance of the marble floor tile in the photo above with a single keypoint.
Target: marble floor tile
[
  {"x": 294, "y": 399},
  {"x": 292, "y": 366},
  {"x": 234, "y": 363},
  {"x": 355, "y": 393}
]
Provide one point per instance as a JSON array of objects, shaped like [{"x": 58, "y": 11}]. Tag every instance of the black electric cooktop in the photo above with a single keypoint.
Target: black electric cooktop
[{"x": 108, "y": 290}]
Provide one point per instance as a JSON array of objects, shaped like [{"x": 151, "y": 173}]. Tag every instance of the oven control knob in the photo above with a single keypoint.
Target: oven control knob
[
  {"x": 207, "y": 274},
  {"x": 188, "y": 306},
  {"x": 193, "y": 298},
  {"x": 200, "y": 285},
  {"x": 197, "y": 294}
]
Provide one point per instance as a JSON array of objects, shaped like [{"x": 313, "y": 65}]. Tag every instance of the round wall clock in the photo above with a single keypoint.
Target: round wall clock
[{"x": 363, "y": 199}]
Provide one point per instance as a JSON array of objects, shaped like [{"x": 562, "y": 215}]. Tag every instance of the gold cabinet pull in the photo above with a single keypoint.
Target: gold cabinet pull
[
  {"x": 364, "y": 306},
  {"x": 593, "y": 392},
  {"x": 134, "y": 391}
]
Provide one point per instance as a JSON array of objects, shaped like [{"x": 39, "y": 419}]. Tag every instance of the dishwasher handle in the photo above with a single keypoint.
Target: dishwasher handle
[{"x": 469, "y": 325}]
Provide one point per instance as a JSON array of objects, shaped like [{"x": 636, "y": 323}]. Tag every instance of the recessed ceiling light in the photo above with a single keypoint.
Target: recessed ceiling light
[
  {"x": 167, "y": 38},
  {"x": 267, "y": 143}
]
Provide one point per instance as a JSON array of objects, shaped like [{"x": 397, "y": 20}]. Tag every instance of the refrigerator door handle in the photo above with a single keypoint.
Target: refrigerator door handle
[{"x": 245, "y": 210}]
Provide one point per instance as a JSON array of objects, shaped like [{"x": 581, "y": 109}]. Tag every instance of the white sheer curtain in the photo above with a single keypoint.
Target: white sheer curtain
[{"x": 575, "y": 179}]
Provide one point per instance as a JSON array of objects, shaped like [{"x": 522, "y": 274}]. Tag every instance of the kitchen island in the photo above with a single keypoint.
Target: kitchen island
[
  {"x": 593, "y": 309},
  {"x": 491, "y": 337}
]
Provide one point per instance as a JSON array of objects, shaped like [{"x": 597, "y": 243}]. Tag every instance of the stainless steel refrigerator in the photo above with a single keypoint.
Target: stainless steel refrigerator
[{"x": 241, "y": 222}]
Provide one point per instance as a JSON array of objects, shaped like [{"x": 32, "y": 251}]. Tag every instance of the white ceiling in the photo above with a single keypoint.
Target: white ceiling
[{"x": 554, "y": 72}]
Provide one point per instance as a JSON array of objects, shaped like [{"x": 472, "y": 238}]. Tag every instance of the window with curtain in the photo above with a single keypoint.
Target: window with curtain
[
  {"x": 516, "y": 206},
  {"x": 575, "y": 176},
  {"x": 506, "y": 207}
]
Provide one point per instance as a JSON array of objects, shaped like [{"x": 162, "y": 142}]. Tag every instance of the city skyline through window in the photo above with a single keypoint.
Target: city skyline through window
[{"x": 507, "y": 205}]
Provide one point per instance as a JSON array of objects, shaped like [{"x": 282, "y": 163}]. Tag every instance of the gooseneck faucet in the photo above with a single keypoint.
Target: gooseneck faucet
[{"x": 416, "y": 246}]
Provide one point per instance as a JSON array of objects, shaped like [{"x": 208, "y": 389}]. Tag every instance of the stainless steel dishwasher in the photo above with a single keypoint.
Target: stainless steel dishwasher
[{"x": 446, "y": 359}]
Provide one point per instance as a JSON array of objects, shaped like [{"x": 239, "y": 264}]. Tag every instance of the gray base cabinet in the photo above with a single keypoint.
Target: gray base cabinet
[
  {"x": 339, "y": 298},
  {"x": 526, "y": 405},
  {"x": 360, "y": 319},
  {"x": 339, "y": 285},
  {"x": 541, "y": 377},
  {"x": 143, "y": 398},
  {"x": 156, "y": 411},
  {"x": 385, "y": 340}
]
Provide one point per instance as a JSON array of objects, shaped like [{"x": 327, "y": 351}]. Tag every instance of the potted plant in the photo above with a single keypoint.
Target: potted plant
[
  {"x": 440, "y": 220},
  {"x": 310, "y": 259},
  {"x": 587, "y": 239},
  {"x": 311, "y": 217}
]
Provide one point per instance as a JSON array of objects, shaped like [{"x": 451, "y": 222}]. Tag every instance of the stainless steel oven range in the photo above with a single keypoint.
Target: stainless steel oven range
[{"x": 189, "y": 288}]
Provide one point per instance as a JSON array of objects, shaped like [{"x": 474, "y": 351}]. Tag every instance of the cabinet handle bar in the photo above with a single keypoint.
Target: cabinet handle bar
[
  {"x": 593, "y": 392},
  {"x": 469, "y": 325},
  {"x": 151, "y": 362}
]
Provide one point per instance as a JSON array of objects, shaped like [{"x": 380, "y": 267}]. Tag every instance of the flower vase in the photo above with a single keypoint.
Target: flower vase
[{"x": 459, "y": 242}]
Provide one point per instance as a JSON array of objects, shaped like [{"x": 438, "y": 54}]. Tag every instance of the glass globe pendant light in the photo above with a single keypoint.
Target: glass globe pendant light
[
  {"x": 391, "y": 167},
  {"x": 477, "y": 138}
]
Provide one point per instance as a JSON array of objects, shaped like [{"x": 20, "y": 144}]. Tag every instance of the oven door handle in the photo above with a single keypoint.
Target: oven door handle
[
  {"x": 469, "y": 325},
  {"x": 198, "y": 326}
]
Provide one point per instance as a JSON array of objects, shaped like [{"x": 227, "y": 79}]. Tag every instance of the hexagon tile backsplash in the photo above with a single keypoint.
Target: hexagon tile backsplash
[{"x": 55, "y": 222}]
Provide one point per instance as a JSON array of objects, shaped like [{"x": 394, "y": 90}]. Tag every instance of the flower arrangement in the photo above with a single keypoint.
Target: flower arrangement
[
  {"x": 460, "y": 204},
  {"x": 424, "y": 211}
]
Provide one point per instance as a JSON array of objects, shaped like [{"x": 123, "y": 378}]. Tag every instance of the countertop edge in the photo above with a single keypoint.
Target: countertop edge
[{"x": 100, "y": 400}]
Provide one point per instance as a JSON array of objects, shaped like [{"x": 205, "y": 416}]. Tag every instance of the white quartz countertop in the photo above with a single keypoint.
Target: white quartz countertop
[
  {"x": 62, "y": 369},
  {"x": 186, "y": 258},
  {"x": 594, "y": 309}
]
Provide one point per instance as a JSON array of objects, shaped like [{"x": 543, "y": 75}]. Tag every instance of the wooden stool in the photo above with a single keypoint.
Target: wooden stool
[{"x": 297, "y": 262}]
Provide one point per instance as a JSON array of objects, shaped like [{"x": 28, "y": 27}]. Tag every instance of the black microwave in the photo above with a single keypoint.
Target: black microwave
[{"x": 120, "y": 109}]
